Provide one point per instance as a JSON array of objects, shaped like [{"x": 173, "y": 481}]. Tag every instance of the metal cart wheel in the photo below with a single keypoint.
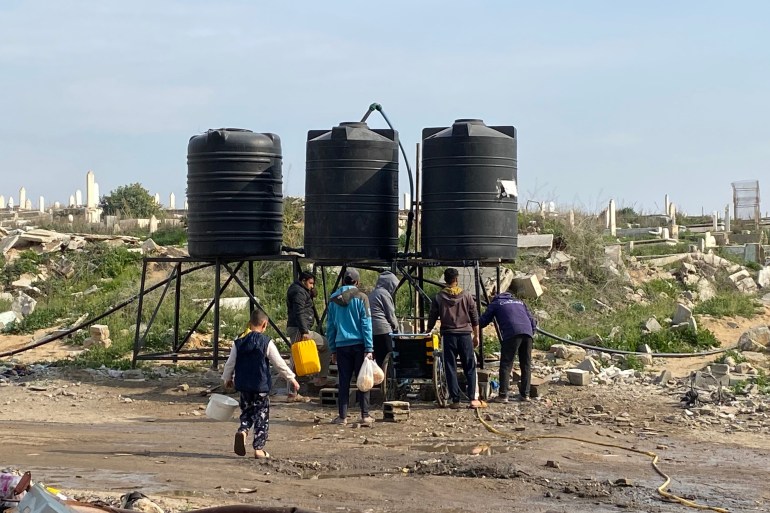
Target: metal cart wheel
[
  {"x": 389, "y": 386},
  {"x": 439, "y": 380}
]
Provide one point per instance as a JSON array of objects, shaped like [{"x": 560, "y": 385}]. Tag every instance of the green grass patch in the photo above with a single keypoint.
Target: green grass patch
[
  {"x": 735, "y": 355},
  {"x": 659, "y": 249},
  {"x": 170, "y": 236},
  {"x": 728, "y": 304}
]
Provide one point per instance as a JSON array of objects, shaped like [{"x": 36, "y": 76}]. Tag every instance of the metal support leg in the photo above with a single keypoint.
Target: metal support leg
[
  {"x": 217, "y": 292},
  {"x": 139, "y": 313},
  {"x": 476, "y": 274},
  {"x": 177, "y": 304}
]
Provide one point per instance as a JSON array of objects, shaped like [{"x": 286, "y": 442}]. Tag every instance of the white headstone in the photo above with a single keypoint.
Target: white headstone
[
  {"x": 727, "y": 218},
  {"x": 715, "y": 220},
  {"x": 613, "y": 226},
  {"x": 78, "y": 198},
  {"x": 72, "y": 201},
  {"x": 157, "y": 198},
  {"x": 664, "y": 234},
  {"x": 153, "y": 224},
  {"x": 185, "y": 204},
  {"x": 41, "y": 204},
  {"x": 10, "y": 202},
  {"x": 28, "y": 204},
  {"x": 2, "y": 201},
  {"x": 56, "y": 205},
  {"x": 171, "y": 201},
  {"x": 673, "y": 226},
  {"x": 70, "y": 218},
  {"x": 666, "y": 205},
  {"x": 90, "y": 192},
  {"x": 22, "y": 197}
]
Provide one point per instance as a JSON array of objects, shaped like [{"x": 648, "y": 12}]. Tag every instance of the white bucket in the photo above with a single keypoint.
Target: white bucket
[{"x": 221, "y": 407}]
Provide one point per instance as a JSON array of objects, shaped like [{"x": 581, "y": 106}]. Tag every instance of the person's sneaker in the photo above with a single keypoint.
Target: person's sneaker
[
  {"x": 297, "y": 398},
  {"x": 523, "y": 399},
  {"x": 501, "y": 399},
  {"x": 239, "y": 445},
  {"x": 367, "y": 421},
  {"x": 340, "y": 420}
]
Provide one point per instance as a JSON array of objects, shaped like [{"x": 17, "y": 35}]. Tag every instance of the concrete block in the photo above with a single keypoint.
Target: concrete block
[
  {"x": 527, "y": 287},
  {"x": 395, "y": 411},
  {"x": 681, "y": 315},
  {"x": 589, "y": 365},
  {"x": 328, "y": 396},
  {"x": 578, "y": 377}
]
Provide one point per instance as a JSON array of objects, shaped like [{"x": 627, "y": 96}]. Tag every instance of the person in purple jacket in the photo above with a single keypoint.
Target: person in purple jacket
[{"x": 517, "y": 326}]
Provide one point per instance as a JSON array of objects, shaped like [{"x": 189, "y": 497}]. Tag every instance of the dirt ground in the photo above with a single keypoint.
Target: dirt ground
[{"x": 97, "y": 437}]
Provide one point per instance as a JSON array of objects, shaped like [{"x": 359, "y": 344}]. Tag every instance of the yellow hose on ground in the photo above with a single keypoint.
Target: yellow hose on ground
[{"x": 661, "y": 489}]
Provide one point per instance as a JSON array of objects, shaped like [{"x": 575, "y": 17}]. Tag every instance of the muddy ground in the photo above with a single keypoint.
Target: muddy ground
[{"x": 93, "y": 436}]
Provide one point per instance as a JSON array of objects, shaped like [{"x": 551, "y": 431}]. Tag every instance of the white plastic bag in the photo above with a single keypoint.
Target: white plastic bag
[
  {"x": 365, "y": 380},
  {"x": 378, "y": 373}
]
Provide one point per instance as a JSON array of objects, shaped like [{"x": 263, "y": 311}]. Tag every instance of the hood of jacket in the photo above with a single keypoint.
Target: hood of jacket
[
  {"x": 451, "y": 294},
  {"x": 344, "y": 295},
  {"x": 387, "y": 281}
]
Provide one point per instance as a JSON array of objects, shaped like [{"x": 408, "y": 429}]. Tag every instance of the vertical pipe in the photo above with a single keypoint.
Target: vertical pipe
[
  {"x": 177, "y": 303},
  {"x": 416, "y": 199},
  {"x": 478, "y": 310},
  {"x": 217, "y": 281},
  {"x": 251, "y": 285},
  {"x": 421, "y": 304},
  {"x": 139, "y": 313}
]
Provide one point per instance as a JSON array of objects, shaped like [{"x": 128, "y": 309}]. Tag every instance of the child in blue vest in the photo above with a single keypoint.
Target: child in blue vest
[{"x": 248, "y": 369}]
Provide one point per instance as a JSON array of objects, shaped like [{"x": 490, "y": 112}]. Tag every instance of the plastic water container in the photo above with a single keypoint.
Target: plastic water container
[
  {"x": 305, "y": 356},
  {"x": 221, "y": 407}
]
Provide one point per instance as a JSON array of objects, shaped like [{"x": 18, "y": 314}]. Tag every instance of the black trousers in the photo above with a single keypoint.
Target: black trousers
[
  {"x": 459, "y": 344},
  {"x": 349, "y": 361},
  {"x": 383, "y": 344},
  {"x": 509, "y": 348}
]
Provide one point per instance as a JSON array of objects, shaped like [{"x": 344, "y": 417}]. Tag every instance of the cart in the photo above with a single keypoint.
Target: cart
[{"x": 416, "y": 360}]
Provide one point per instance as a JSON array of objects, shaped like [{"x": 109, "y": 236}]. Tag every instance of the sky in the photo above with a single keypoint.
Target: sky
[{"x": 623, "y": 100}]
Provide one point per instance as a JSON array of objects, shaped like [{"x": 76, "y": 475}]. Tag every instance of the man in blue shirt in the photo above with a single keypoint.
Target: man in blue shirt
[{"x": 517, "y": 326}]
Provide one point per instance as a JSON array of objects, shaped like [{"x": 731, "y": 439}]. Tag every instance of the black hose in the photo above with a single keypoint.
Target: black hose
[
  {"x": 412, "y": 199},
  {"x": 620, "y": 351}
]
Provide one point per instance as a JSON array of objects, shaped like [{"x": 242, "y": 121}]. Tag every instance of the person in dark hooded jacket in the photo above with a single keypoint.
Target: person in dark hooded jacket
[
  {"x": 517, "y": 326},
  {"x": 456, "y": 309},
  {"x": 384, "y": 320}
]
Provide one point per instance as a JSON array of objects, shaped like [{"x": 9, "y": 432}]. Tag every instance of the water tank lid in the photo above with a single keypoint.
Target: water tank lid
[
  {"x": 467, "y": 128},
  {"x": 350, "y": 131}
]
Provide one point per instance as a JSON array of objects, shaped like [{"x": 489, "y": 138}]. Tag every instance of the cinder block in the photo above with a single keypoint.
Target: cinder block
[
  {"x": 395, "y": 411},
  {"x": 538, "y": 387},
  {"x": 578, "y": 377},
  {"x": 328, "y": 396}
]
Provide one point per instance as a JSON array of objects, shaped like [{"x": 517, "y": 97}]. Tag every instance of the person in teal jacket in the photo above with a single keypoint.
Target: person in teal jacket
[{"x": 349, "y": 334}]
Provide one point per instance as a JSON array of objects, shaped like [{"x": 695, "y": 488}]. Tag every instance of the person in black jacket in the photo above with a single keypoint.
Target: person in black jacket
[{"x": 301, "y": 317}]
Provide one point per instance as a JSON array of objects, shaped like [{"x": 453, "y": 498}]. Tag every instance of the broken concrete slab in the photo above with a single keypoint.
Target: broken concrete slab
[
  {"x": 589, "y": 364},
  {"x": 664, "y": 377},
  {"x": 758, "y": 334},
  {"x": 763, "y": 279},
  {"x": 7, "y": 243},
  {"x": 23, "y": 305},
  {"x": 681, "y": 315},
  {"x": 651, "y": 325},
  {"x": 568, "y": 352},
  {"x": 25, "y": 280},
  {"x": 149, "y": 246},
  {"x": 6, "y": 319}
]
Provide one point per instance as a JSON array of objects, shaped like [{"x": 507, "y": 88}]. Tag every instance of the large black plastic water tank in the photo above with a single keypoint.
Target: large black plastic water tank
[
  {"x": 466, "y": 215},
  {"x": 351, "y": 193},
  {"x": 235, "y": 194}
]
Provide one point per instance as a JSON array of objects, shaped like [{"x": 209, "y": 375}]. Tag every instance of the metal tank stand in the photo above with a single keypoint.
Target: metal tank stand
[
  {"x": 413, "y": 274},
  {"x": 182, "y": 266}
]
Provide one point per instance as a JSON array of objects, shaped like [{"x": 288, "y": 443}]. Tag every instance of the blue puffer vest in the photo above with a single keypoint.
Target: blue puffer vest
[{"x": 252, "y": 368}]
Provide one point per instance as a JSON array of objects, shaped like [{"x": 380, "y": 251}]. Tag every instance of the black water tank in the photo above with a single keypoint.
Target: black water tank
[
  {"x": 465, "y": 213},
  {"x": 351, "y": 193},
  {"x": 235, "y": 194}
]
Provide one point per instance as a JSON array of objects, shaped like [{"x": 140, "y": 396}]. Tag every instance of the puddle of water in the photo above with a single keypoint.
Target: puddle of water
[{"x": 473, "y": 449}]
